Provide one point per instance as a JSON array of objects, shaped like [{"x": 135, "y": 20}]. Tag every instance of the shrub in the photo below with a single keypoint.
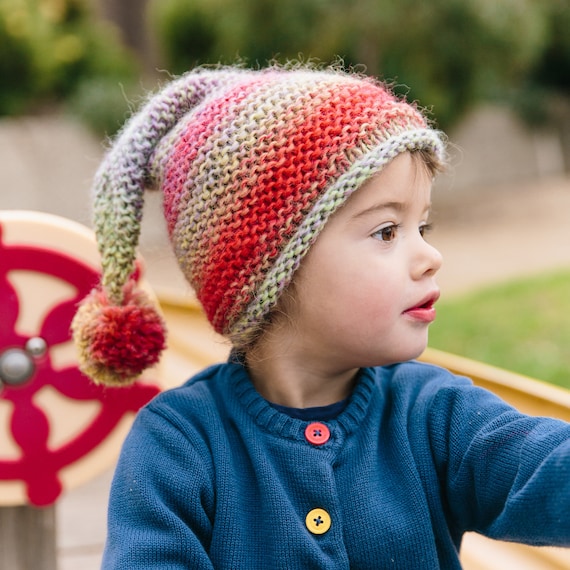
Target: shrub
[{"x": 52, "y": 50}]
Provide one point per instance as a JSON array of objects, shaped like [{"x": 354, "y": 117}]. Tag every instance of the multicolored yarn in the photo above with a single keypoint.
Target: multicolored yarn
[
  {"x": 251, "y": 165},
  {"x": 117, "y": 343}
]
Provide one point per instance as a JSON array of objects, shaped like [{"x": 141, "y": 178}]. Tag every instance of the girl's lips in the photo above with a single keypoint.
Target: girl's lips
[{"x": 425, "y": 310}]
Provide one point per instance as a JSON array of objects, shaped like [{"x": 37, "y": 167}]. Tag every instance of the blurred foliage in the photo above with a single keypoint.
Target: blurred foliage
[
  {"x": 448, "y": 54},
  {"x": 553, "y": 68},
  {"x": 55, "y": 50},
  {"x": 547, "y": 84}
]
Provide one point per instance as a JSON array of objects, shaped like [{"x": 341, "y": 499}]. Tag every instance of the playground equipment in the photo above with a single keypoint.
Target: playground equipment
[{"x": 57, "y": 429}]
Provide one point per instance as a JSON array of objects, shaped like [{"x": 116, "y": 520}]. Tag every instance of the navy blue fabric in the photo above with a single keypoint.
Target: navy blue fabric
[
  {"x": 213, "y": 476},
  {"x": 319, "y": 413}
]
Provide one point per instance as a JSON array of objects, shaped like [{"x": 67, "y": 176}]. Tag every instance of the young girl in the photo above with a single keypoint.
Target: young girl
[{"x": 297, "y": 201}]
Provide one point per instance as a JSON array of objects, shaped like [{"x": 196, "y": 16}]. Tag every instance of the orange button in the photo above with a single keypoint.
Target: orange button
[
  {"x": 317, "y": 433},
  {"x": 318, "y": 521}
]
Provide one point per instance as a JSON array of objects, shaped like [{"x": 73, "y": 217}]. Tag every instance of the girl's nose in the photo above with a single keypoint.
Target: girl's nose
[{"x": 428, "y": 260}]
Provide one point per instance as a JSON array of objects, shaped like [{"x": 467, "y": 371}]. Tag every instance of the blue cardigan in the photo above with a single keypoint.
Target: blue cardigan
[{"x": 212, "y": 476}]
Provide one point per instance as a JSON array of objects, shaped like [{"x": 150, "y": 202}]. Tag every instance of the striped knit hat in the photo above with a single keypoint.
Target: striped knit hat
[{"x": 251, "y": 165}]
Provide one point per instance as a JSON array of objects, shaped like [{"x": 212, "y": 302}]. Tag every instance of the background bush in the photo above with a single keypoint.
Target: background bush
[
  {"x": 448, "y": 54},
  {"x": 56, "y": 50},
  {"x": 452, "y": 53}
]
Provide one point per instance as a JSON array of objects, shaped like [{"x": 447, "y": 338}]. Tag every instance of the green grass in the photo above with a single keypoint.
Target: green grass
[{"x": 523, "y": 326}]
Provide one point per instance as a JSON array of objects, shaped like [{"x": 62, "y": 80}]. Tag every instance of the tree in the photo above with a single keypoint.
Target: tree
[{"x": 55, "y": 51}]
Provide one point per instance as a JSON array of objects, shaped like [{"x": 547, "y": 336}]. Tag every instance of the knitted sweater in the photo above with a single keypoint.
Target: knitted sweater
[{"x": 212, "y": 476}]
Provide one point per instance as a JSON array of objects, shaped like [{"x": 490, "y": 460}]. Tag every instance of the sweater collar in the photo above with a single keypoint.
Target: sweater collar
[{"x": 270, "y": 419}]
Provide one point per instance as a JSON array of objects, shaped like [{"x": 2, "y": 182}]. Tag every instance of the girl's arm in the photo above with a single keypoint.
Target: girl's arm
[
  {"x": 160, "y": 500},
  {"x": 505, "y": 474}
]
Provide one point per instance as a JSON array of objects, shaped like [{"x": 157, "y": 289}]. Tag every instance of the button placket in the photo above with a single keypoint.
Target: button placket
[{"x": 318, "y": 521}]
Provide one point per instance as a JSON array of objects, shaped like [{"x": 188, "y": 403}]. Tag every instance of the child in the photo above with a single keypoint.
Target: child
[{"x": 297, "y": 201}]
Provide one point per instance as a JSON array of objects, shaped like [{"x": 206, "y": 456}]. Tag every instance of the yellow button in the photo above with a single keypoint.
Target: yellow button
[{"x": 318, "y": 521}]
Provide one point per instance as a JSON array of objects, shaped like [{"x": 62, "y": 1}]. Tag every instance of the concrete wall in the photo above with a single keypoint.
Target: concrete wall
[
  {"x": 48, "y": 164},
  {"x": 491, "y": 146}
]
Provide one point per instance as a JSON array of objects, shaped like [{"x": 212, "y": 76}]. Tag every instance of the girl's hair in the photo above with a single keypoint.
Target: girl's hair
[
  {"x": 431, "y": 162},
  {"x": 251, "y": 165}
]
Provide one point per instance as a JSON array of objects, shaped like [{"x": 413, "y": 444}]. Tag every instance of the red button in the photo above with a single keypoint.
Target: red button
[{"x": 317, "y": 433}]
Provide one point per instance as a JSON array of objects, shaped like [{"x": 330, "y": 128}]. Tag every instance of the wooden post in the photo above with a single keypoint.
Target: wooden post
[{"x": 28, "y": 538}]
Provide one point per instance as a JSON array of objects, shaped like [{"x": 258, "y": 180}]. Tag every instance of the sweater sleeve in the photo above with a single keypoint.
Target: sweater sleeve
[
  {"x": 159, "y": 502},
  {"x": 504, "y": 474}
]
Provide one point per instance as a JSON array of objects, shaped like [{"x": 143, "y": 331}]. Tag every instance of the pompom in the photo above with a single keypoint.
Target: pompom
[{"x": 117, "y": 342}]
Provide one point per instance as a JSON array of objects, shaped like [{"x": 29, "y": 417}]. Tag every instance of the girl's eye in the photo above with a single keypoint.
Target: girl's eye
[
  {"x": 425, "y": 229},
  {"x": 387, "y": 233}
]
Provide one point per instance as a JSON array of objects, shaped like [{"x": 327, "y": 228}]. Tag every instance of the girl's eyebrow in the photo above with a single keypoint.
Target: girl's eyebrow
[{"x": 397, "y": 206}]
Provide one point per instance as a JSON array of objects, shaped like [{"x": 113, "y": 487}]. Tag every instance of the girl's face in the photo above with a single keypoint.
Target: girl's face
[{"x": 365, "y": 293}]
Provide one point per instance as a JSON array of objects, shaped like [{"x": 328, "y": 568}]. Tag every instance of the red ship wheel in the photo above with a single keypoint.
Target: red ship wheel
[{"x": 57, "y": 429}]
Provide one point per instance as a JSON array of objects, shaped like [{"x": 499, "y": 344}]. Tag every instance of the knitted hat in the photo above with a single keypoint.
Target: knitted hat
[{"x": 251, "y": 165}]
